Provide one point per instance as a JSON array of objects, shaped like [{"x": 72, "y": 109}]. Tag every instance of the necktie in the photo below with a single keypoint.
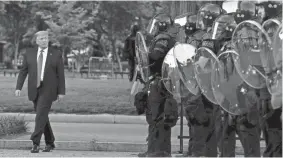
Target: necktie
[{"x": 39, "y": 67}]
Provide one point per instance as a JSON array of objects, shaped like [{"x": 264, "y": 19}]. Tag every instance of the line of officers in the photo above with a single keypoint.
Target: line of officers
[{"x": 212, "y": 130}]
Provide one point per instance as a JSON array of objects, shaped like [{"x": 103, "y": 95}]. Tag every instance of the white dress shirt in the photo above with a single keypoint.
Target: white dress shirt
[{"x": 44, "y": 60}]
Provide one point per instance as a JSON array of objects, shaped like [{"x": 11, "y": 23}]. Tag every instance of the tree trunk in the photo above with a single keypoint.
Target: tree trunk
[
  {"x": 116, "y": 55},
  {"x": 17, "y": 43},
  {"x": 64, "y": 56},
  {"x": 182, "y": 7}
]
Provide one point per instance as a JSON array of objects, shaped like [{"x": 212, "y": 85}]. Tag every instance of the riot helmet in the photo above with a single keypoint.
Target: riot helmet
[
  {"x": 159, "y": 23},
  {"x": 191, "y": 25},
  {"x": 134, "y": 29},
  {"x": 223, "y": 27},
  {"x": 207, "y": 14},
  {"x": 246, "y": 11},
  {"x": 269, "y": 9}
]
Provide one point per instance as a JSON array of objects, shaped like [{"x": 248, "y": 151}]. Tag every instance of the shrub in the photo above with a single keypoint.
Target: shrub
[{"x": 10, "y": 125}]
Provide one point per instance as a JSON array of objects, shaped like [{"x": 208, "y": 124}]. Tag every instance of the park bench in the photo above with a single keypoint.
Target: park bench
[
  {"x": 122, "y": 73},
  {"x": 83, "y": 71},
  {"x": 94, "y": 72}
]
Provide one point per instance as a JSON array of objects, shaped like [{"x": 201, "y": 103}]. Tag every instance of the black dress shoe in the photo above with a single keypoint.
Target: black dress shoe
[
  {"x": 48, "y": 148},
  {"x": 35, "y": 149}
]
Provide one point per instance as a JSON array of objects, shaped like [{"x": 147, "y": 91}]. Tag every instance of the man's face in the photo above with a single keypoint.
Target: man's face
[{"x": 42, "y": 41}]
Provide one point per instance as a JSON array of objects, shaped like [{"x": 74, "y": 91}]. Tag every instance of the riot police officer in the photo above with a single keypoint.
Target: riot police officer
[
  {"x": 205, "y": 18},
  {"x": 245, "y": 125},
  {"x": 129, "y": 49},
  {"x": 193, "y": 106},
  {"x": 271, "y": 124},
  {"x": 161, "y": 112}
]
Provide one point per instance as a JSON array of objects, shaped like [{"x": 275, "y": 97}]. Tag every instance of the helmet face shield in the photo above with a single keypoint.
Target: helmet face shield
[
  {"x": 190, "y": 26},
  {"x": 207, "y": 14},
  {"x": 223, "y": 27},
  {"x": 152, "y": 28},
  {"x": 246, "y": 11},
  {"x": 158, "y": 23}
]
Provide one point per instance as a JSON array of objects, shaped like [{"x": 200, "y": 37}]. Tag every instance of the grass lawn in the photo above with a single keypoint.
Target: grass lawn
[{"x": 84, "y": 96}]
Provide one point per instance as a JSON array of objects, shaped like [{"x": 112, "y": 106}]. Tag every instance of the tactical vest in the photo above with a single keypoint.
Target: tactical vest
[
  {"x": 156, "y": 65},
  {"x": 196, "y": 38}
]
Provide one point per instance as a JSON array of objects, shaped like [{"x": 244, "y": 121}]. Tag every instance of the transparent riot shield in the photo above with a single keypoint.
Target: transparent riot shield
[
  {"x": 203, "y": 66},
  {"x": 170, "y": 75},
  {"x": 274, "y": 74},
  {"x": 226, "y": 84},
  {"x": 142, "y": 56},
  {"x": 141, "y": 66},
  {"x": 250, "y": 41},
  {"x": 184, "y": 54}
]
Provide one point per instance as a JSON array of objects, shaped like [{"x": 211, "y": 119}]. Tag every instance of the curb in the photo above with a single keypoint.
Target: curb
[
  {"x": 94, "y": 146},
  {"x": 99, "y": 118}
]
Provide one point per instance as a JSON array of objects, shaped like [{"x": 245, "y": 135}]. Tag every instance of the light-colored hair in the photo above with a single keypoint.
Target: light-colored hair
[
  {"x": 41, "y": 33},
  {"x": 33, "y": 41}
]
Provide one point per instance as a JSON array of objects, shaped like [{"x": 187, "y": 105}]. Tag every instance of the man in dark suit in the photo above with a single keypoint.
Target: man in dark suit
[{"x": 46, "y": 83}]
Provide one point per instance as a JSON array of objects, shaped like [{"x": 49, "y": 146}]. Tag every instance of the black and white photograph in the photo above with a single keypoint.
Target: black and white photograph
[{"x": 113, "y": 78}]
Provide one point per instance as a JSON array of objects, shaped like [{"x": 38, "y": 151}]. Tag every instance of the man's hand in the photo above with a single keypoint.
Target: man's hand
[
  {"x": 18, "y": 93},
  {"x": 60, "y": 97}
]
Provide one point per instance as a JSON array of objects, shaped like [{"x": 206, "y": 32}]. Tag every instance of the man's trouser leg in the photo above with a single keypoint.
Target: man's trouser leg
[
  {"x": 42, "y": 124},
  {"x": 250, "y": 138}
]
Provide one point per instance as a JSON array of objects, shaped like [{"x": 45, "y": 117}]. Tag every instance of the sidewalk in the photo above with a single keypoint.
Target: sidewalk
[
  {"x": 97, "y": 118},
  {"x": 98, "y": 137},
  {"x": 60, "y": 153}
]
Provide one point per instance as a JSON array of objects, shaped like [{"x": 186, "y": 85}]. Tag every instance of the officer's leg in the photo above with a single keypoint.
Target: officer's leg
[
  {"x": 197, "y": 118},
  {"x": 210, "y": 133},
  {"x": 219, "y": 129},
  {"x": 198, "y": 146},
  {"x": 263, "y": 124},
  {"x": 131, "y": 68},
  {"x": 161, "y": 136},
  {"x": 191, "y": 123},
  {"x": 186, "y": 114},
  {"x": 274, "y": 134},
  {"x": 249, "y": 136},
  {"x": 229, "y": 137},
  {"x": 162, "y": 144}
]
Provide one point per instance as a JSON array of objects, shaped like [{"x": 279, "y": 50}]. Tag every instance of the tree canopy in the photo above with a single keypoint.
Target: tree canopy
[{"x": 101, "y": 26}]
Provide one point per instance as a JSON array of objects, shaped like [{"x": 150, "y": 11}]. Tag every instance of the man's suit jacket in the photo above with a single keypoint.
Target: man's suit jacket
[{"x": 53, "y": 80}]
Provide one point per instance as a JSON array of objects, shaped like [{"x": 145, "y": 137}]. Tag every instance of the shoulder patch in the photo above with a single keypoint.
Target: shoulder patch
[{"x": 162, "y": 42}]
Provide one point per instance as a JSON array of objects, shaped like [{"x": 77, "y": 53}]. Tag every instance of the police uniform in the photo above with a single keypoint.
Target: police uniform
[
  {"x": 159, "y": 137},
  {"x": 270, "y": 119},
  {"x": 212, "y": 110},
  {"x": 193, "y": 106},
  {"x": 195, "y": 112},
  {"x": 129, "y": 50},
  {"x": 246, "y": 126}
]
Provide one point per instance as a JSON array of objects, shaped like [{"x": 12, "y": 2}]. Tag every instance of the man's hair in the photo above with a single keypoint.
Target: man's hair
[{"x": 33, "y": 41}]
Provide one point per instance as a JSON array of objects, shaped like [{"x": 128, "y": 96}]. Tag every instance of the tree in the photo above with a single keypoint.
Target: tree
[
  {"x": 15, "y": 26},
  {"x": 68, "y": 29}
]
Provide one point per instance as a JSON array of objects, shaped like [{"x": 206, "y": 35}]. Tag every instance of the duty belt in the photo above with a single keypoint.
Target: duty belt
[{"x": 153, "y": 77}]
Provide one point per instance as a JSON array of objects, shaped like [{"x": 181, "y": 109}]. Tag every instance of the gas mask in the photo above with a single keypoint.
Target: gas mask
[
  {"x": 190, "y": 28},
  {"x": 242, "y": 15}
]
